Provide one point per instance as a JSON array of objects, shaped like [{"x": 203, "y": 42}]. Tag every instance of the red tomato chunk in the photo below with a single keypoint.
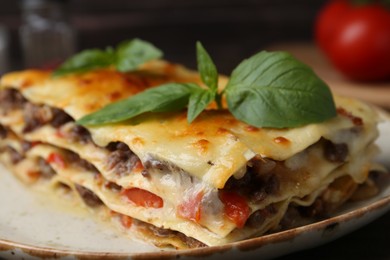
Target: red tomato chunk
[
  {"x": 56, "y": 159},
  {"x": 143, "y": 198},
  {"x": 236, "y": 207},
  {"x": 191, "y": 209}
]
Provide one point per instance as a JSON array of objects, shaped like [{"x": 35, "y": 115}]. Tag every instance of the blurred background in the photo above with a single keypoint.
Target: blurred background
[
  {"x": 43, "y": 33},
  {"x": 230, "y": 29}
]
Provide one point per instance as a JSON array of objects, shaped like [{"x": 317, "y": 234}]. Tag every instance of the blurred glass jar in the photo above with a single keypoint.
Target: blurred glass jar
[
  {"x": 46, "y": 37},
  {"x": 4, "y": 50}
]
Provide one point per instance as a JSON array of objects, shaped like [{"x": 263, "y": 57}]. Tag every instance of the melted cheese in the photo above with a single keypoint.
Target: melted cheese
[{"x": 213, "y": 148}]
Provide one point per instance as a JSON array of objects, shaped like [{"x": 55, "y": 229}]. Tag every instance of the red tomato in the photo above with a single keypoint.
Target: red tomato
[
  {"x": 357, "y": 39},
  {"x": 56, "y": 159},
  {"x": 327, "y": 21},
  {"x": 143, "y": 198},
  {"x": 236, "y": 207},
  {"x": 191, "y": 209}
]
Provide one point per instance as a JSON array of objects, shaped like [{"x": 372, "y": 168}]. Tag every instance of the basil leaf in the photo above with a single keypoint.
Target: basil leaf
[
  {"x": 199, "y": 100},
  {"x": 126, "y": 57},
  {"x": 131, "y": 54},
  {"x": 85, "y": 61},
  {"x": 276, "y": 90},
  {"x": 168, "y": 97},
  {"x": 206, "y": 67}
]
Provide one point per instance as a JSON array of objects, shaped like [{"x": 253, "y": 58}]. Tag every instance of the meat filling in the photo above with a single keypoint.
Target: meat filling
[
  {"x": 75, "y": 159},
  {"x": 3, "y": 132},
  {"x": 121, "y": 159},
  {"x": 15, "y": 156},
  {"x": 90, "y": 198},
  {"x": 161, "y": 232},
  {"x": 46, "y": 170},
  {"x": 258, "y": 182},
  {"x": 80, "y": 134},
  {"x": 36, "y": 116},
  {"x": 258, "y": 217},
  {"x": 11, "y": 99},
  {"x": 261, "y": 181},
  {"x": 335, "y": 152}
]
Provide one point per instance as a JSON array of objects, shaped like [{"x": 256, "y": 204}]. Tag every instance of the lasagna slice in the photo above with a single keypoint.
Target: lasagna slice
[{"x": 211, "y": 182}]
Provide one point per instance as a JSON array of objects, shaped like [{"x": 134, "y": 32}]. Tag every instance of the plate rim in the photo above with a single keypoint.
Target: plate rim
[{"x": 245, "y": 245}]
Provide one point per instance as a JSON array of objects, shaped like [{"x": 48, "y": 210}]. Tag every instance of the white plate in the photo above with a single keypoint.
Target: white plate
[{"x": 32, "y": 226}]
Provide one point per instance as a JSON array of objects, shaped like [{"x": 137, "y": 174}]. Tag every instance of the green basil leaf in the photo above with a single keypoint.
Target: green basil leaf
[
  {"x": 128, "y": 56},
  {"x": 276, "y": 90},
  {"x": 168, "y": 97},
  {"x": 176, "y": 104},
  {"x": 206, "y": 67},
  {"x": 85, "y": 61},
  {"x": 199, "y": 100},
  {"x": 131, "y": 54}
]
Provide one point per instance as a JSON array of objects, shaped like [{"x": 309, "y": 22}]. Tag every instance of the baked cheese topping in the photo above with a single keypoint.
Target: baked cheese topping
[{"x": 213, "y": 148}]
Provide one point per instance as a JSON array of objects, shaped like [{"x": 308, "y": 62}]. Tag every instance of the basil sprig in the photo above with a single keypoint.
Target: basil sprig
[
  {"x": 200, "y": 98},
  {"x": 164, "y": 98},
  {"x": 270, "y": 89},
  {"x": 273, "y": 89},
  {"x": 127, "y": 56}
]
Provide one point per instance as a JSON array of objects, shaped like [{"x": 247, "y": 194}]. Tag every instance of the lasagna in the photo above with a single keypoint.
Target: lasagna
[{"x": 175, "y": 184}]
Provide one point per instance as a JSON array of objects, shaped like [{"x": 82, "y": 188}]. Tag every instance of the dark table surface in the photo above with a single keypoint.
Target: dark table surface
[{"x": 369, "y": 242}]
